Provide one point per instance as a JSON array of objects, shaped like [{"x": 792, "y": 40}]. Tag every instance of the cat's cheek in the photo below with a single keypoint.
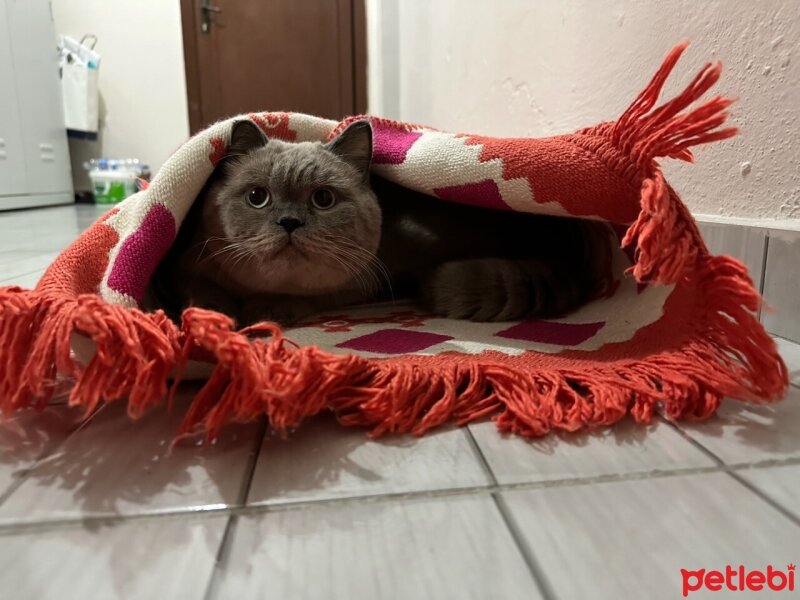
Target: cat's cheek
[{"x": 370, "y": 235}]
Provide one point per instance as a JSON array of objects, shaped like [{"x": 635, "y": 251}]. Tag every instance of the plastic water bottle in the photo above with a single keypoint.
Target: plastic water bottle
[{"x": 113, "y": 180}]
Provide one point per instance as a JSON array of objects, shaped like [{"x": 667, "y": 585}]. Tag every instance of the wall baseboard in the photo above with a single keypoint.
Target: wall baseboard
[
  {"x": 771, "y": 251},
  {"x": 772, "y": 224},
  {"x": 35, "y": 200}
]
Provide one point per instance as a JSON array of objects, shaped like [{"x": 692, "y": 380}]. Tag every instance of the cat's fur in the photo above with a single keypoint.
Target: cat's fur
[{"x": 291, "y": 258}]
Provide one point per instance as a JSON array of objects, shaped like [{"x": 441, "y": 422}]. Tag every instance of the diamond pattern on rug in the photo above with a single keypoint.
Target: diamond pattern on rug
[
  {"x": 485, "y": 194},
  {"x": 394, "y": 341},
  {"x": 390, "y": 145},
  {"x": 548, "y": 332}
]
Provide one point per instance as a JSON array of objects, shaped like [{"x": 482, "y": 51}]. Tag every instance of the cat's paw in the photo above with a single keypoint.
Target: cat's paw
[
  {"x": 493, "y": 289},
  {"x": 477, "y": 290}
]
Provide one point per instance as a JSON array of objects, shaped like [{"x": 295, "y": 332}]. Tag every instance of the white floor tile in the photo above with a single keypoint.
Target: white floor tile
[
  {"x": 45, "y": 230},
  {"x": 624, "y": 448},
  {"x": 748, "y": 433},
  {"x": 790, "y": 352},
  {"x": 325, "y": 460},
  {"x": 28, "y": 280},
  {"x": 115, "y": 466},
  {"x": 782, "y": 484},
  {"x": 31, "y": 239},
  {"x": 28, "y": 435},
  {"x": 14, "y": 265},
  {"x": 162, "y": 558},
  {"x": 631, "y": 539},
  {"x": 456, "y": 547}
]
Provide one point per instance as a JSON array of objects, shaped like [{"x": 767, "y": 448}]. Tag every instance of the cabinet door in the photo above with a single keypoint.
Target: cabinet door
[
  {"x": 12, "y": 151},
  {"x": 33, "y": 45}
]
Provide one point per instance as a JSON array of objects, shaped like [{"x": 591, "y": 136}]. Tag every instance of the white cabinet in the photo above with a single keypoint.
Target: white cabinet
[
  {"x": 12, "y": 147},
  {"x": 34, "y": 156}
]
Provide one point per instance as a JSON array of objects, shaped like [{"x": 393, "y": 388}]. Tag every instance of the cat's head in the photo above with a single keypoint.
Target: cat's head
[{"x": 301, "y": 218}]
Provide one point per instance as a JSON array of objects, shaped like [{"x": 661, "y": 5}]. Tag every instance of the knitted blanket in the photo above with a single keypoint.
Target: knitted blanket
[{"x": 676, "y": 332}]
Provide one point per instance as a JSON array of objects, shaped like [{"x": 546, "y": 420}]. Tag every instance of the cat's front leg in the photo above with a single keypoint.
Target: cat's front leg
[
  {"x": 495, "y": 289},
  {"x": 284, "y": 310}
]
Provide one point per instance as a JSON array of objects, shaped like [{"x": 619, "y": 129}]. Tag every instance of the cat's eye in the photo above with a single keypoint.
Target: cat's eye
[
  {"x": 258, "y": 197},
  {"x": 323, "y": 199}
]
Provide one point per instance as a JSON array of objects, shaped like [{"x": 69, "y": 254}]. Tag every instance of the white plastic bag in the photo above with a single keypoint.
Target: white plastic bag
[{"x": 80, "y": 67}]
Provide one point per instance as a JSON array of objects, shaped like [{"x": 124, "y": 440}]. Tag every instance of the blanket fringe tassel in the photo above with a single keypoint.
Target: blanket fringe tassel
[
  {"x": 136, "y": 353},
  {"x": 664, "y": 234}
]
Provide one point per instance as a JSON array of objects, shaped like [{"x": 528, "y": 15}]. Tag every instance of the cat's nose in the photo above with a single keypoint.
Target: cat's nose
[{"x": 290, "y": 223}]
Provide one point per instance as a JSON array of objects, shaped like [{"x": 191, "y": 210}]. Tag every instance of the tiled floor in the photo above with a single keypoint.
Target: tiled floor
[{"x": 110, "y": 510}]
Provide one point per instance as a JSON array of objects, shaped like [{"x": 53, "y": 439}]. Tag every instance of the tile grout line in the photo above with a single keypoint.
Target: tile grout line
[
  {"x": 789, "y": 341},
  {"x": 792, "y": 384},
  {"x": 5, "y": 281},
  {"x": 736, "y": 476},
  {"x": 233, "y": 518},
  {"x": 255, "y": 509},
  {"x": 535, "y": 570},
  {"x": 784, "y": 338},
  {"x": 476, "y": 449},
  {"x": 732, "y": 472},
  {"x": 763, "y": 278}
]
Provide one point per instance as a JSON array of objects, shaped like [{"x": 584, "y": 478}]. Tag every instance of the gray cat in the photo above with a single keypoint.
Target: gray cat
[{"x": 285, "y": 230}]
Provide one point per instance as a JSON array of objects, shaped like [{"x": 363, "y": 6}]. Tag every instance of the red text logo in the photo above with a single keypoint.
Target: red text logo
[{"x": 738, "y": 579}]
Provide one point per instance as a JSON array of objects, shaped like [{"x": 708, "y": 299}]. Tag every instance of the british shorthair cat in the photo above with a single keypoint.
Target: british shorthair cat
[{"x": 284, "y": 230}]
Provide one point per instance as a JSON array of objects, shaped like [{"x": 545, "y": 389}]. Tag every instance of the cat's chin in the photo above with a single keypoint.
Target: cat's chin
[
  {"x": 286, "y": 257},
  {"x": 294, "y": 272},
  {"x": 289, "y": 269}
]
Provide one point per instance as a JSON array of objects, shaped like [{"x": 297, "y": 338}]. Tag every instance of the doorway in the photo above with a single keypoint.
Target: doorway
[{"x": 277, "y": 55}]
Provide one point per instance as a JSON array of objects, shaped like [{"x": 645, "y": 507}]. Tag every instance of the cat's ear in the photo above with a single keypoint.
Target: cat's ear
[
  {"x": 354, "y": 146},
  {"x": 246, "y": 136}
]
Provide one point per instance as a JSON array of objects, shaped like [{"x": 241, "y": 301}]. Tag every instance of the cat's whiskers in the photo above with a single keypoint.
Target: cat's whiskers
[
  {"x": 356, "y": 269},
  {"x": 238, "y": 249},
  {"x": 205, "y": 244},
  {"x": 220, "y": 251},
  {"x": 367, "y": 266},
  {"x": 368, "y": 260},
  {"x": 350, "y": 270},
  {"x": 233, "y": 249},
  {"x": 239, "y": 255},
  {"x": 363, "y": 267}
]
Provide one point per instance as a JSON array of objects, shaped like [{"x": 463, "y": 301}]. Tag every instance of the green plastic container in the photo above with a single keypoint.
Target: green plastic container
[{"x": 112, "y": 186}]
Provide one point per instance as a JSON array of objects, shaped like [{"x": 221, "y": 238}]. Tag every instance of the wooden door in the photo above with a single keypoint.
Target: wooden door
[{"x": 274, "y": 55}]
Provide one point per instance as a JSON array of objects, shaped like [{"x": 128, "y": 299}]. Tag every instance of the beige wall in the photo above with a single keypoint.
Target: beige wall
[
  {"x": 519, "y": 67},
  {"x": 142, "y": 83},
  {"x": 506, "y": 67}
]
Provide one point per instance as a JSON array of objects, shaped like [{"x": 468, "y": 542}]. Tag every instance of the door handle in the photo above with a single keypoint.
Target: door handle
[{"x": 208, "y": 10}]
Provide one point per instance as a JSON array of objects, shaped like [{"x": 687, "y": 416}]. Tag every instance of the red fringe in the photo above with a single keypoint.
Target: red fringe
[
  {"x": 644, "y": 134},
  {"x": 664, "y": 234},
  {"x": 134, "y": 351},
  {"x": 729, "y": 354}
]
